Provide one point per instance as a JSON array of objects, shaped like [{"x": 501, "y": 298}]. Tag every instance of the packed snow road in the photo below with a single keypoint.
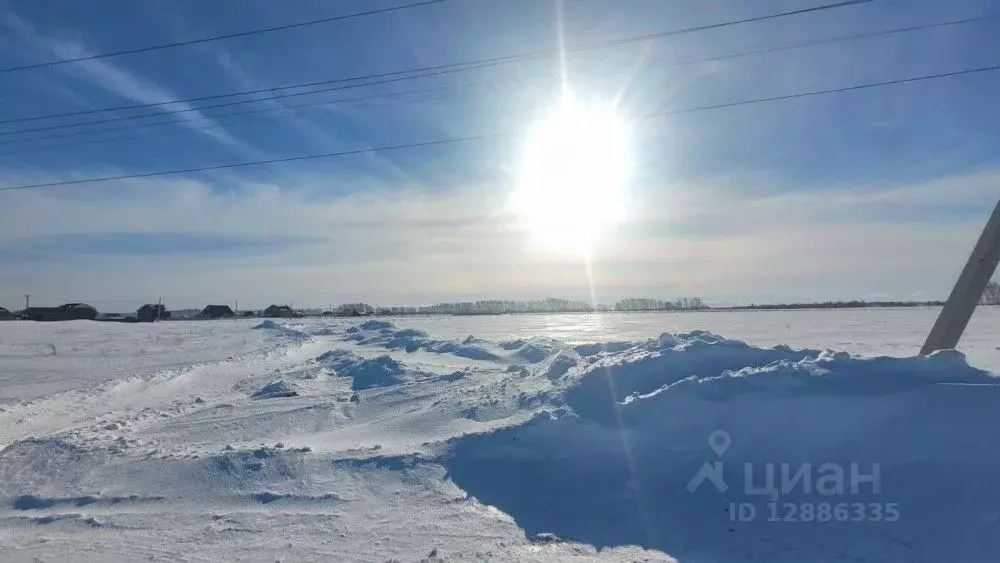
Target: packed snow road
[{"x": 410, "y": 439}]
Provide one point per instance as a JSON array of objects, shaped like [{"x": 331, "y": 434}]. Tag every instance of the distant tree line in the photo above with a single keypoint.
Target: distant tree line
[
  {"x": 647, "y": 304},
  {"x": 628, "y": 304},
  {"x": 992, "y": 294},
  {"x": 549, "y": 305},
  {"x": 855, "y": 304},
  {"x": 493, "y": 307},
  {"x": 354, "y": 310},
  {"x": 555, "y": 305}
]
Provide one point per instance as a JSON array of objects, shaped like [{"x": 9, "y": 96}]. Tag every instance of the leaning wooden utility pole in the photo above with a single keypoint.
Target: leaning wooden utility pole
[{"x": 968, "y": 289}]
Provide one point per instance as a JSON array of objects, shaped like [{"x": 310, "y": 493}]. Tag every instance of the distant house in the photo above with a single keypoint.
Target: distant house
[
  {"x": 279, "y": 311},
  {"x": 79, "y": 311},
  {"x": 67, "y": 312},
  {"x": 5, "y": 315},
  {"x": 116, "y": 318},
  {"x": 217, "y": 312},
  {"x": 42, "y": 314},
  {"x": 151, "y": 312}
]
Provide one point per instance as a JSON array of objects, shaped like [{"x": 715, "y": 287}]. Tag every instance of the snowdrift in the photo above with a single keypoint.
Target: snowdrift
[
  {"x": 276, "y": 389},
  {"x": 290, "y": 332},
  {"x": 386, "y": 335},
  {"x": 382, "y": 371},
  {"x": 616, "y": 466}
]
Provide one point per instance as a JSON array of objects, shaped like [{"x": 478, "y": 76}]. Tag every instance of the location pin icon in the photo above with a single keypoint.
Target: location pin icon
[{"x": 719, "y": 441}]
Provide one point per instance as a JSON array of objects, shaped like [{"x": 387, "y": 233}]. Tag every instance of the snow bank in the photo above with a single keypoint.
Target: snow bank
[
  {"x": 276, "y": 389},
  {"x": 616, "y": 467},
  {"x": 594, "y": 349},
  {"x": 532, "y": 351},
  {"x": 339, "y": 360},
  {"x": 32, "y": 502},
  {"x": 382, "y": 371},
  {"x": 285, "y": 330},
  {"x": 375, "y": 325},
  {"x": 559, "y": 366},
  {"x": 268, "y": 497},
  {"x": 384, "y": 334},
  {"x": 473, "y": 352},
  {"x": 670, "y": 358}
]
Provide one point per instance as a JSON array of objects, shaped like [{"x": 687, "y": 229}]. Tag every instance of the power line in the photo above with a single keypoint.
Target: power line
[
  {"x": 220, "y": 37},
  {"x": 459, "y": 66},
  {"x": 670, "y": 63},
  {"x": 451, "y": 67},
  {"x": 493, "y": 135},
  {"x": 215, "y": 117},
  {"x": 255, "y": 163},
  {"x": 852, "y": 37},
  {"x": 234, "y": 103},
  {"x": 828, "y": 91},
  {"x": 727, "y": 24}
]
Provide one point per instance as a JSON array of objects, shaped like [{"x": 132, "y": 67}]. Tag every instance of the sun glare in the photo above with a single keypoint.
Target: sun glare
[{"x": 573, "y": 169}]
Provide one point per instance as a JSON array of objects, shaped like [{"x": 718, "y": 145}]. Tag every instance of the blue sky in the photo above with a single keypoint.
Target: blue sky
[{"x": 877, "y": 193}]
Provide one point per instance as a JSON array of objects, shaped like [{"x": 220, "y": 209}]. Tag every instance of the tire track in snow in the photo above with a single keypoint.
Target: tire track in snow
[{"x": 85, "y": 413}]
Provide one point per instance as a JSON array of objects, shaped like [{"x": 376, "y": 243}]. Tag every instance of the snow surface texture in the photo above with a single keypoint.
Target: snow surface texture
[{"x": 346, "y": 440}]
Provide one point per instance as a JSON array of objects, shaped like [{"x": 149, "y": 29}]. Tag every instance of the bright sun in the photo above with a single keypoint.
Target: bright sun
[{"x": 573, "y": 169}]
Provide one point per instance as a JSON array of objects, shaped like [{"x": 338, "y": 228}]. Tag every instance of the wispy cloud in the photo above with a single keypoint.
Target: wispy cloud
[
  {"x": 387, "y": 241},
  {"x": 146, "y": 244},
  {"x": 306, "y": 129},
  {"x": 240, "y": 76},
  {"x": 119, "y": 81}
]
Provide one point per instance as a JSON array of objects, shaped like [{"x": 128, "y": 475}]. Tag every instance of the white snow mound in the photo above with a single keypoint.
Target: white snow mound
[{"x": 616, "y": 467}]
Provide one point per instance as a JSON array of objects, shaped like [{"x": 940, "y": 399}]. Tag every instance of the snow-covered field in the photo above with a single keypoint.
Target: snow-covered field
[{"x": 532, "y": 437}]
